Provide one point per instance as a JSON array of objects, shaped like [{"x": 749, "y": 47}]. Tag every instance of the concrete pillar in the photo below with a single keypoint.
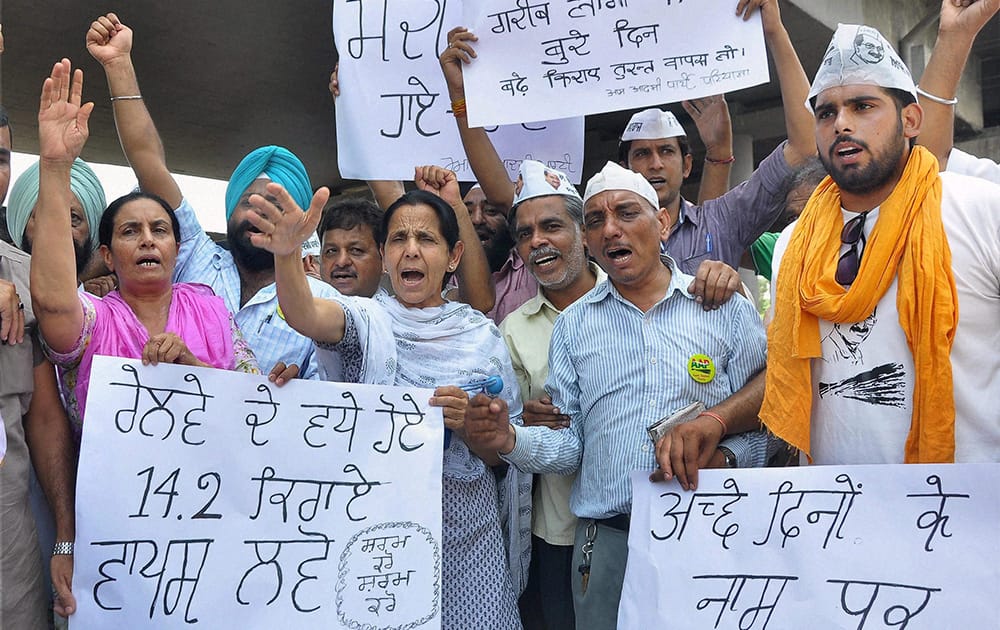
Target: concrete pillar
[{"x": 744, "y": 164}]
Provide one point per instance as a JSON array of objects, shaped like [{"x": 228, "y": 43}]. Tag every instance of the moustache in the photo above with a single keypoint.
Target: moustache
[
  {"x": 542, "y": 252},
  {"x": 846, "y": 139}
]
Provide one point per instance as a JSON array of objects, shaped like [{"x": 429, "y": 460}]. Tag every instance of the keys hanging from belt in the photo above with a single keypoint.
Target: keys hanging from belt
[{"x": 588, "y": 551}]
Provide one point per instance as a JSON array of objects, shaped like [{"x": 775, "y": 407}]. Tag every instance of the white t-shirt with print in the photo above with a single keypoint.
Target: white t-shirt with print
[{"x": 863, "y": 385}]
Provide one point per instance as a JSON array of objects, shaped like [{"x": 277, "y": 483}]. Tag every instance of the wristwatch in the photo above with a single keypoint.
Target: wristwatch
[
  {"x": 730, "y": 457},
  {"x": 63, "y": 548}
]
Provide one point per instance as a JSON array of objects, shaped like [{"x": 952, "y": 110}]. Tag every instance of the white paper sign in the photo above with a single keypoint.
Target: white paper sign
[
  {"x": 394, "y": 112},
  {"x": 825, "y": 547},
  {"x": 215, "y": 499},
  {"x": 580, "y": 57}
]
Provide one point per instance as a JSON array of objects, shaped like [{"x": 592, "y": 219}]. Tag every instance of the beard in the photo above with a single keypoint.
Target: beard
[
  {"x": 861, "y": 180},
  {"x": 246, "y": 254},
  {"x": 575, "y": 262}
]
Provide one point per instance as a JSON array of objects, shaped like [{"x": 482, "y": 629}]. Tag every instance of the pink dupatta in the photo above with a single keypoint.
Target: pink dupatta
[{"x": 196, "y": 315}]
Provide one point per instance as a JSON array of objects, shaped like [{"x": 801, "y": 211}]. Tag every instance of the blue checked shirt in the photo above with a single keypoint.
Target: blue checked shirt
[
  {"x": 267, "y": 332},
  {"x": 615, "y": 370}
]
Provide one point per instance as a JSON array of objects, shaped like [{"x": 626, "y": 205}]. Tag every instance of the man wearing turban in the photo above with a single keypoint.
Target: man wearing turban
[
  {"x": 87, "y": 207},
  {"x": 243, "y": 275}
]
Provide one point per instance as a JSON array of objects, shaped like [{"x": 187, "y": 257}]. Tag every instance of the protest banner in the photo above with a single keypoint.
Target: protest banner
[
  {"x": 394, "y": 112},
  {"x": 829, "y": 547},
  {"x": 582, "y": 57},
  {"x": 214, "y": 498}
]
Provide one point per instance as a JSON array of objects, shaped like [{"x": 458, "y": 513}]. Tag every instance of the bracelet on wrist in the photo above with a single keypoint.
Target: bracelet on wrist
[
  {"x": 728, "y": 160},
  {"x": 127, "y": 97},
  {"x": 63, "y": 548},
  {"x": 458, "y": 108},
  {"x": 718, "y": 418},
  {"x": 937, "y": 99}
]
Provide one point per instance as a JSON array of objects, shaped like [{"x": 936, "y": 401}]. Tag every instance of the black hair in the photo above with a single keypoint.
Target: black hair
[
  {"x": 107, "y": 226},
  {"x": 347, "y": 214},
  {"x": 447, "y": 222},
  {"x": 625, "y": 145},
  {"x": 901, "y": 98}
]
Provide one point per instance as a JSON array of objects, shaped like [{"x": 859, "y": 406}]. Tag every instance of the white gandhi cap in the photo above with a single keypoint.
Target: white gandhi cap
[{"x": 615, "y": 177}]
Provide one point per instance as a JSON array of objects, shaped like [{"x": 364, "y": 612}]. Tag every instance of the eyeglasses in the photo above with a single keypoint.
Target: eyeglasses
[{"x": 850, "y": 261}]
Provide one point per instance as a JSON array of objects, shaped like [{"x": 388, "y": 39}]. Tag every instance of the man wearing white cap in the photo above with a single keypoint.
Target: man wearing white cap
[
  {"x": 907, "y": 260},
  {"x": 636, "y": 348},
  {"x": 654, "y": 145},
  {"x": 547, "y": 224}
]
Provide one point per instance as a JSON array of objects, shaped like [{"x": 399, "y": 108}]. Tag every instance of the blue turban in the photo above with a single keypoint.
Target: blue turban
[
  {"x": 280, "y": 165},
  {"x": 24, "y": 195}
]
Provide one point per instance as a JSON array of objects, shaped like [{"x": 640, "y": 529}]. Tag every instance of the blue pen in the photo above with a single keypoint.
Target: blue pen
[
  {"x": 267, "y": 320},
  {"x": 708, "y": 242},
  {"x": 491, "y": 386}
]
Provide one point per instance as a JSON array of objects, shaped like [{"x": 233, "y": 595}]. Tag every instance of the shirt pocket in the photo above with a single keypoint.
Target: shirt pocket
[{"x": 279, "y": 342}]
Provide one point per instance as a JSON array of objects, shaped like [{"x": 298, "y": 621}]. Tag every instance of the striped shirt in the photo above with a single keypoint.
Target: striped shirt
[
  {"x": 264, "y": 327},
  {"x": 615, "y": 370}
]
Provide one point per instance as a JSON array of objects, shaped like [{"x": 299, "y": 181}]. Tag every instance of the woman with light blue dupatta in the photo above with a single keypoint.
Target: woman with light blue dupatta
[{"x": 436, "y": 344}]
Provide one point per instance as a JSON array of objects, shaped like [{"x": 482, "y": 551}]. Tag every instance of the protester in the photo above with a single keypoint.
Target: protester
[
  {"x": 547, "y": 221},
  {"x": 473, "y": 282},
  {"x": 36, "y": 435},
  {"x": 437, "y": 344},
  {"x": 148, "y": 317},
  {"x": 633, "y": 350},
  {"x": 85, "y": 208},
  {"x": 349, "y": 233},
  {"x": 883, "y": 345},
  {"x": 243, "y": 276}
]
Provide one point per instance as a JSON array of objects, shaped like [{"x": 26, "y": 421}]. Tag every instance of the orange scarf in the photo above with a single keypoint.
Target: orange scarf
[{"x": 909, "y": 241}]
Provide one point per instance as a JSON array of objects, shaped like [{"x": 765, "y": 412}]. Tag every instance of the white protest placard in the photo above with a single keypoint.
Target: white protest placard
[
  {"x": 394, "y": 111},
  {"x": 216, "y": 499},
  {"x": 858, "y": 547},
  {"x": 589, "y": 56}
]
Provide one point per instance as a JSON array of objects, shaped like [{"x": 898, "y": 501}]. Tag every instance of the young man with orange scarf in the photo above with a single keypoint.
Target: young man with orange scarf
[{"x": 885, "y": 345}]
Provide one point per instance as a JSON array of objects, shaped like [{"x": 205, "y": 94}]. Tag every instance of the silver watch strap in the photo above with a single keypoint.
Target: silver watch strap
[{"x": 63, "y": 548}]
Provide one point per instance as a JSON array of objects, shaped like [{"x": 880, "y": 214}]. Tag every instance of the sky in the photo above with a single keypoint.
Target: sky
[{"x": 206, "y": 196}]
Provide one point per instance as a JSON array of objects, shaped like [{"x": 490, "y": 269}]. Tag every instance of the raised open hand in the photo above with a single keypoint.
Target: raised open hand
[
  {"x": 283, "y": 225},
  {"x": 62, "y": 120}
]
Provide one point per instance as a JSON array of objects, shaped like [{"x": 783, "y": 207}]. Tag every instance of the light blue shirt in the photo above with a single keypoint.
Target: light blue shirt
[
  {"x": 269, "y": 335},
  {"x": 615, "y": 370}
]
